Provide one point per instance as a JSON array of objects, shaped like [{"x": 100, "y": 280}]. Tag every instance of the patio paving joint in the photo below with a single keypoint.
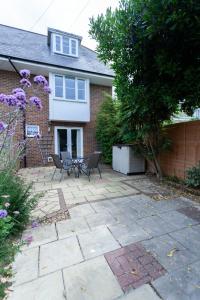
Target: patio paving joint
[
  {"x": 63, "y": 280},
  {"x": 61, "y": 198},
  {"x": 153, "y": 288}
]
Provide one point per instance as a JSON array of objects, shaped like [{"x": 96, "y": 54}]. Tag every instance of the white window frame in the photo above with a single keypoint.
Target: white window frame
[
  {"x": 33, "y": 125},
  {"x": 76, "y": 89},
  {"x": 61, "y": 45}
]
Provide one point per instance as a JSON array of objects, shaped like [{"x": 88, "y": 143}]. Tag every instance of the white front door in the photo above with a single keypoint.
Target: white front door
[{"x": 69, "y": 139}]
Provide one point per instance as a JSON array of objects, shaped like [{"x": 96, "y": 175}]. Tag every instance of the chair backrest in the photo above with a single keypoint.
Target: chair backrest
[
  {"x": 93, "y": 160},
  {"x": 65, "y": 155},
  {"x": 57, "y": 161}
]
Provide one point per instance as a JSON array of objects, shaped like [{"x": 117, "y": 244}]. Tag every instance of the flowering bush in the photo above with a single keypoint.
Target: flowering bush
[
  {"x": 17, "y": 102},
  {"x": 16, "y": 201},
  {"x": 6, "y": 224}
]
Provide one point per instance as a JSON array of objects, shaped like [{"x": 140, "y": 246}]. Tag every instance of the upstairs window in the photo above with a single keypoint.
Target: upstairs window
[
  {"x": 65, "y": 45},
  {"x": 70, "y": 88}
]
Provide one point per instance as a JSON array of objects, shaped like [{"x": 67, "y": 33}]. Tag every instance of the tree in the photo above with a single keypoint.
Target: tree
[
  {"x": 107, "y": 127},
  {"x": 153, "y": 47}
]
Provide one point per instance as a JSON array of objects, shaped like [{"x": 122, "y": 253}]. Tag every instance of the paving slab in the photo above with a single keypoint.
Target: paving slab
[
  {"x": 48, "y": 287},
  {"x": 192, "y": 212},
  {"x": 128, "y": 234},
  {"x": 178, "y": 219},
  {"x": 171, "y": 204},
  {"x": 144, "y": 292},
  {"x": 180, "y": 284},
  {"x": 40, "y": 235},
  {"x": 155, "y": 225},
  {"x": 168, "y": 289},
  {"x": 25, "y": 266},
  {"x": 105, "y": 205},
  {"x": 97, "y": 242},
  {"x": 81, "y": 210},
  {"x": 91, "y": 280},
  {"x": 169, "y": 252},
  {"x": 71, "y": 227},
  {"x": 59, "y": 254},
  {"x": 101, "y": 218},
  {"x": 189, "y": 237}
]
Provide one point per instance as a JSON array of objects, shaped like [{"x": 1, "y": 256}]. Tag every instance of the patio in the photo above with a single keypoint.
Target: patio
[{"x": 113, "y": 238}]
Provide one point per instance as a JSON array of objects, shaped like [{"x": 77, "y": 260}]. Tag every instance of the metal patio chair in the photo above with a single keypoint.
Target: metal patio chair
[
  {"x": 90, "y": 163},
  {"x": 60, "y": 166}
]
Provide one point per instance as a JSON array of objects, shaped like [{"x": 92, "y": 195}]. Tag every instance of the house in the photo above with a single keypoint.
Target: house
[{"x": 78, "y": 81}]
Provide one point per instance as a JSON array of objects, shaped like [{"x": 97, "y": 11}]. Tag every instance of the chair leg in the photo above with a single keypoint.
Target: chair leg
[
  {"x": 61, "y": 171},
  {"x": 89, "y": 175},
  {"x": 99, "y": 172},
  {"x": 53, "y": 174}
]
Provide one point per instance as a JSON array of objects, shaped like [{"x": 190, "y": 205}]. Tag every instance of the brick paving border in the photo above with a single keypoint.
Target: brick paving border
[{"x": 133, "y": 266}]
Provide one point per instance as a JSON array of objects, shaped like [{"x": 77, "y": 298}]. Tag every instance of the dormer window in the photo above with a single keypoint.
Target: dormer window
[{"x": 63, "y": 44}]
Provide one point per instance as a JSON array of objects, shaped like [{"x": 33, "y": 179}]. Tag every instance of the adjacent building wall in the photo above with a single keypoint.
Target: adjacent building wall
[{"x": 185, "y": 151}]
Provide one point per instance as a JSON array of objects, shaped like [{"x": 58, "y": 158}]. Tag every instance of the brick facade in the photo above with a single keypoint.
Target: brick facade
[{"x": 10, "y": 80}]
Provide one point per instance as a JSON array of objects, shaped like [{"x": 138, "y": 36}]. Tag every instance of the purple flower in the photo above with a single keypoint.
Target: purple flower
[
  {"x": 3, "y": 213},
  {"x": 34, "y": 224},
  {"x": 25, "y": 73},
  {"x": 21, "y": 97},
  {"x": 47, "y": 89},
  {"x": 11, "y": 100},
  {"x": 39, "y": 79},
  {"x": 18, "y": 90},
  {"x": 2, "y": 98},
  {"x": 36, "y": 101},
  {"x": 28, "y": 240},
  {"x": 2, "y": 126},
  {"x": 25, "y": 82}
]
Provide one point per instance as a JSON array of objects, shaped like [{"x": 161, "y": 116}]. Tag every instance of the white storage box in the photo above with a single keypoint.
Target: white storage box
[{"x": 124, "y": 160}]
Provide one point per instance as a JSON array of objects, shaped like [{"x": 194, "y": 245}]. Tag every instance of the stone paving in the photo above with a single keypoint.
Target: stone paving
[{"x": 113, "y": 242}]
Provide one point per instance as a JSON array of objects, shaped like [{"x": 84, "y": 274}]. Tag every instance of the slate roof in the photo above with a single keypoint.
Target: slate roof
[{"x": 30, "y": 46}]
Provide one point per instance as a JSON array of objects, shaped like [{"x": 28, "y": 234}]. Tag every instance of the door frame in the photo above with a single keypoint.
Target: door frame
[{"x": 67, "y": 128}]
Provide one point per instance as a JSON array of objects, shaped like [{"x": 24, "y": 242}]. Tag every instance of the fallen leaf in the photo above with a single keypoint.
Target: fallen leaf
[{"x": 171, "y": 252}]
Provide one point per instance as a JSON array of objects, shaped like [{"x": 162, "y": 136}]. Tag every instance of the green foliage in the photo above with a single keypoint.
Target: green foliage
[
  {"x": 153, "y": 47},
  {"x": 107, "y": 127},
  {"x": 17, "y": 202},
  {"x": 14, "y": 191},
  {"x": 193, "y": 176},
  {"x": 8, "y": 249}
]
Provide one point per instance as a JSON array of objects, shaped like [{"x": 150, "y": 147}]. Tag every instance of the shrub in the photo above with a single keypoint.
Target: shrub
[
  {"x": 193, "y": 176},
  {"x": 107, "y": 127},
  {"x": 16, "y": 195}
]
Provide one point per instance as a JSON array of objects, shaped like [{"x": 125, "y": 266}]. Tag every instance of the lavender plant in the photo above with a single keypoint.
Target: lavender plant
[{"x": 16, "y": 103}]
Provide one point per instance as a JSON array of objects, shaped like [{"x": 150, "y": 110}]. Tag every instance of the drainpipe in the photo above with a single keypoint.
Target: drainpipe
[{"x": 23, "y": 115}]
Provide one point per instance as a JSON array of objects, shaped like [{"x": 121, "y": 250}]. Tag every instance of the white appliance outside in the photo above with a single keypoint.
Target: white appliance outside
[{"x": 124, "y": 160}]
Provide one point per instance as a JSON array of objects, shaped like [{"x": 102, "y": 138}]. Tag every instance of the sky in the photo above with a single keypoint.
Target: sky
[{"x": 67, "y": 15}]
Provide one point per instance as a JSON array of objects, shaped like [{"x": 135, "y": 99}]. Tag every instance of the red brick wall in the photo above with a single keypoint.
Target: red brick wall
[
  {"x": 10, "y": 80},
  {"x": 185, "y": 151}
]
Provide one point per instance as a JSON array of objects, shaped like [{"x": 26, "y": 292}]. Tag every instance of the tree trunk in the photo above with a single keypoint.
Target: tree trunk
[{"x": 156, "y": 162}]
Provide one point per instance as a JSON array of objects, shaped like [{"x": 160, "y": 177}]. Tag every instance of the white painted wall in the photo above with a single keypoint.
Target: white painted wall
[{"x": 66, "y": 110}]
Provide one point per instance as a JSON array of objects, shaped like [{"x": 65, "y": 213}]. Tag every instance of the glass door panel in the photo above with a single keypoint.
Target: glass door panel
[{"x": 62, "y": 140}]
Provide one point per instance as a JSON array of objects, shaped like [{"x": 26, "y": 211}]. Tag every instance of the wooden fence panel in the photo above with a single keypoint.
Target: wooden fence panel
[{"x": 185, "y": 151}]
